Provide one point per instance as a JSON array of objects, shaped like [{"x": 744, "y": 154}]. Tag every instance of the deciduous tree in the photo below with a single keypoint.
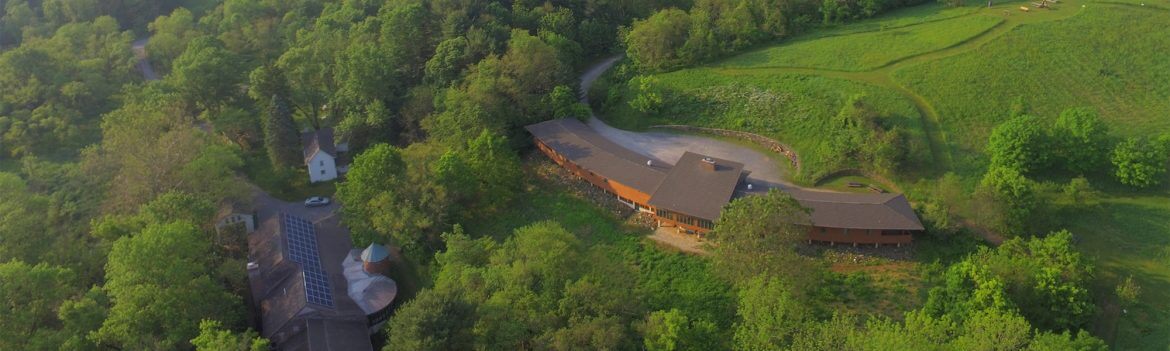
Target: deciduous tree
[
  {"x": 432, "y": 321},
  {"x": 29, "y": 297},
  {"x": 656, "y": 43},
  {"x": 757, "y": 235},
  {"x": 1012, "y": 196},
  {"x": 22, "y": 221},
  {"x": 1080, "y": 140},
  {"x": 1019, "y": 144},
  {"x": 206, "y": 74},
  {"x": 770, "y": 314},
  {"x": 1140, "y": 163},
  {"x": 673, "y": 330},
  {"x": 212, "y": 337},
  {"x": 160, "y": 283}
]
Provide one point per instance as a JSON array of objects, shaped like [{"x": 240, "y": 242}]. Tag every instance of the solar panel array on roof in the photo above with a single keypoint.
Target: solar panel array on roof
[{"x": 302, "y": 248}]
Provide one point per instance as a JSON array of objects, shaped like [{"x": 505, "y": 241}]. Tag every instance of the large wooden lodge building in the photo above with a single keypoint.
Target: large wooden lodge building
[{"x": 691, "y": 193}]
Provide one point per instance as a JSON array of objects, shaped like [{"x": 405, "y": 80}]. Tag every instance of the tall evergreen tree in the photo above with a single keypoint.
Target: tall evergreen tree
[{"x": 280, "y": 134}]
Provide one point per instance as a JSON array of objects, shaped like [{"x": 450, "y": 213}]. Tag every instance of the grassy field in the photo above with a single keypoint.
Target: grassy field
[
  {"x": 1129, "y": 236},
  {"x": 1160, "y": 4},
  {"x": 1102, "y": 58},
  {"x": 866, "y": 51},
  {"x": 794, "y": 108}
]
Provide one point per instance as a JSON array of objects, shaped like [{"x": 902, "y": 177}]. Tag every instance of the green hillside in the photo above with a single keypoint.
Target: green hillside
[
  {"x": 796, "y": 108},
  {"x": 1110, "y": 58},
  {"x": 866, "y": 51}
]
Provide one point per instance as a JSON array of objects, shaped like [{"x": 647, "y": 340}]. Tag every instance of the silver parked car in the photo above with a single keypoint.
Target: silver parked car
[{"x": 316, "y": 201}]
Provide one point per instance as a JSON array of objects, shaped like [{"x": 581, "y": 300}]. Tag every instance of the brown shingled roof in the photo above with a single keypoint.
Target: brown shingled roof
[
  {"x": 584, "y": 147},
  {"x": 318, "y": 140},
  {"x": 693, "y": 189},
  {"x": 858, "y": 211},
  {"x": 688, "y": 190}
]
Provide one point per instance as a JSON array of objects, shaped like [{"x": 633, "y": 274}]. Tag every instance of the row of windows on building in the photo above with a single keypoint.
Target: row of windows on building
[
  {"x": 845, "y": 231},
  {"x": 685, "y": 219}
]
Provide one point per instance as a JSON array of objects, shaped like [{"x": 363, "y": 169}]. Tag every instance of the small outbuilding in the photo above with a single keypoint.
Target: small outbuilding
[
  {"x": 320, "y": 155},
  {"x": 365, "y": 274}
]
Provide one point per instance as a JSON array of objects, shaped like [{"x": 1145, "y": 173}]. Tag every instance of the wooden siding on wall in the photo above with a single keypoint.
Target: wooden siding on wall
[{"x": 609, "y": 185}]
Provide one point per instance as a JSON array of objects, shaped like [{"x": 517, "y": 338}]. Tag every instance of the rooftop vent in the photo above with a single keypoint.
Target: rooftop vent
[
  {"x": 650, "y": 163},
  {"x": 708, "y": 164}
]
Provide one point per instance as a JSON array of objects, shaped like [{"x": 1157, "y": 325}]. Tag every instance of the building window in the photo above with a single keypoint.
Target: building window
[
  {"x": 824, "y": 230},
  {"x": 322, "y": 171},
  {"x": 321, "y": 163}
]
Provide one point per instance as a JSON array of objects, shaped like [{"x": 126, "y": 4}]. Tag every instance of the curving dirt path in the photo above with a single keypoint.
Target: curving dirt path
[
  {"x": 139, "y": 48},
  {"x": 765, "y": 171}
]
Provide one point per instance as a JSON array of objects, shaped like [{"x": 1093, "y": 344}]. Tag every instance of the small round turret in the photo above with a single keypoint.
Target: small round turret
[{"x": 376, "y": 259}]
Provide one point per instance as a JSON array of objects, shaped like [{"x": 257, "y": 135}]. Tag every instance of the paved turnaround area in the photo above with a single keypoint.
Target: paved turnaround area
[{"x": 669, "y": 147}]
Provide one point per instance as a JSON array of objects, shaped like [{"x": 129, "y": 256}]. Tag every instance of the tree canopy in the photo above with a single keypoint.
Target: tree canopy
[
  {"x": 757, "y": 235},
  {"x": 160, "y": 284},
  {"x": 1140, "y": 163}
]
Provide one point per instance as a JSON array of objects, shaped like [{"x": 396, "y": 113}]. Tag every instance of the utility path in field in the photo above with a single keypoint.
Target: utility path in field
[{"x": 883, "y": 75}]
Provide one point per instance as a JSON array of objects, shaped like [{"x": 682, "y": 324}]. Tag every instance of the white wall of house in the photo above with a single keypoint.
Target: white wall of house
[{"x": 322, "y": 167}]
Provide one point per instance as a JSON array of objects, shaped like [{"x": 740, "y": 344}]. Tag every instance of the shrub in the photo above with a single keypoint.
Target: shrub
[{"x": 1139, "y": 163}]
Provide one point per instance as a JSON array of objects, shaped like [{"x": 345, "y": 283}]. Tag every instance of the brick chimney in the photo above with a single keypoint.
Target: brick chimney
[{"x": 709, "y": 164}]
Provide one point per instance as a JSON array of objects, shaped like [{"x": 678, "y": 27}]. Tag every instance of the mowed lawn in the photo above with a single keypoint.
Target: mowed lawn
[
  {"x": 1113, "y": 58},
  {"x": 866, "y": 51},
  {"x": 1130, "y": 236},
  {"x": 1162, "y": 4},
  {"x": 793, "y": 108}
]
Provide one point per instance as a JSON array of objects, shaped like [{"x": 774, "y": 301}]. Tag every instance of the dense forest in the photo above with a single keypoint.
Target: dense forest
[{"x": 112, "y": 180}]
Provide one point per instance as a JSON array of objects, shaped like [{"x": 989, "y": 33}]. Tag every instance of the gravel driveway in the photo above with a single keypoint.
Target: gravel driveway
[
  {"x": 139, "y": 48},
  {"x": 669, "y": 147},
  {"x": 267, "y": 206}
]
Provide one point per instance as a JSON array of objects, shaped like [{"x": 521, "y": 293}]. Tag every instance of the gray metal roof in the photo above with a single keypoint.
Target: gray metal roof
[
  {"x": 858, "y": 211},
  {"x": 318, "y": 140},
  {"x": 584, "y": 147},
  {"x": 375, "y": 253},
  {"x": 693, "y": 189}
]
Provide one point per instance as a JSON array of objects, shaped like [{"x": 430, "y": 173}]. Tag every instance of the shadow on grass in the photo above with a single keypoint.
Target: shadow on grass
[{"x": 1128, "y": 237}]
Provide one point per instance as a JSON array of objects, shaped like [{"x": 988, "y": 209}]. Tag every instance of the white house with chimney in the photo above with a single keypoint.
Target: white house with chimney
[{"x": 320, "y": 154}]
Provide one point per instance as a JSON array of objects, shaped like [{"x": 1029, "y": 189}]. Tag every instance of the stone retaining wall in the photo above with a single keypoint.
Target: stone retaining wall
[
  {"x": 761, "y": 140},
  {"x": 861, "y": 173}
]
